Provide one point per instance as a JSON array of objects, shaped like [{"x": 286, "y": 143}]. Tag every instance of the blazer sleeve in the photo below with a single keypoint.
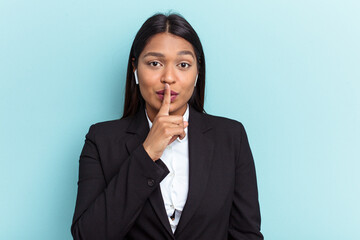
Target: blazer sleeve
[
  {"x": 108, "y": 210},
  {"x": 245, "y": 213}
]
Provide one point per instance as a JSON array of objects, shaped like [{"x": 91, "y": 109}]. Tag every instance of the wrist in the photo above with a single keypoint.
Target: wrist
[{"x": 148, "y": 151}]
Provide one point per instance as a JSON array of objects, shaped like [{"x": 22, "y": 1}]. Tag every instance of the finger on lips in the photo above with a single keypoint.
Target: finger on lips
[
  {"x": 175, "y": 123},
  {"x": 165, "y": 106}
]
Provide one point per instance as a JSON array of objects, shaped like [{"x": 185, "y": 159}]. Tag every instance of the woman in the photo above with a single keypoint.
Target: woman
[{"x": 166, "y": 170}]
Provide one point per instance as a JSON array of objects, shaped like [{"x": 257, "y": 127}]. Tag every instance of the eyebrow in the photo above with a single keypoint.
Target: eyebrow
[{"x": 157, "y": 54}]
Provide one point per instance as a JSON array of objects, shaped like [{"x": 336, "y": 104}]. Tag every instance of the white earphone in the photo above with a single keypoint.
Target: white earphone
[
  {"x": 196, "y": 79},
  {"x": 136, "y": 77}
]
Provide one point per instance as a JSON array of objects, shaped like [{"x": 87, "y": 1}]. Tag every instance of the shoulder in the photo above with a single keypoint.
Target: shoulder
[
  {"x": 227, "y": 134},
  {"x": 110, "y": 127},
  {"x": 224, "y": 124}
]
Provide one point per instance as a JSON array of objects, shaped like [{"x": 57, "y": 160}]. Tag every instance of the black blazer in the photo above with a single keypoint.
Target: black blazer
[{"x": 118, "y": 189}]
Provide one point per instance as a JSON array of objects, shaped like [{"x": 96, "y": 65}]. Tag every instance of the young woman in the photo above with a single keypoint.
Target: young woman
[{"x": 166, "y": 169}]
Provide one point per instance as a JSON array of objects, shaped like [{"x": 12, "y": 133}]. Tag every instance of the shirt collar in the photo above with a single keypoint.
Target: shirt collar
[{"x": 185, "y": 118}]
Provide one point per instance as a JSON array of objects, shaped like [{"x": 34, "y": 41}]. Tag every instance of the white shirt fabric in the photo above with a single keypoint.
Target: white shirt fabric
[{"x": 174, "y": 187}]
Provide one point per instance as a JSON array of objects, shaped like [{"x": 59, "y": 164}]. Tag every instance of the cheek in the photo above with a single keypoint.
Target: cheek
[
  {"x": 189, "y": 91},
  {"x": 145, "y": 91},
  {"x": 146, "y": 84}
]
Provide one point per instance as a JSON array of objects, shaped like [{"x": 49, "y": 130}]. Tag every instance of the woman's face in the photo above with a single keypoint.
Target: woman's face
[{"x": 170, "y": 59}]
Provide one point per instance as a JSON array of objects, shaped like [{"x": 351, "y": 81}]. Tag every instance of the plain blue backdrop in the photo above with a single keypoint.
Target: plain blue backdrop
[{"x": 288, "y": 70}]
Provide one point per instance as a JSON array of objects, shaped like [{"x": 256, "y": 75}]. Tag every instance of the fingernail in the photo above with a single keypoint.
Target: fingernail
[{"x": 166, "y": 86}]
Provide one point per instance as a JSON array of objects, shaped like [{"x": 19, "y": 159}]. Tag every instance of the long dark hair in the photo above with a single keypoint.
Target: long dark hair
[{"x": 160, "y": 23}]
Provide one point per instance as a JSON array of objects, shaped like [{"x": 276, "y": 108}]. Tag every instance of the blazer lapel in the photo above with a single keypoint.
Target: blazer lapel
[
  {"x": 200, "y": 159},
  {"x": 139, "y": 128}
]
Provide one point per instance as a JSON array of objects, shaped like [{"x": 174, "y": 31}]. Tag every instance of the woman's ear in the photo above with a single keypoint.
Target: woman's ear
[{"x": 133, "y": 64}]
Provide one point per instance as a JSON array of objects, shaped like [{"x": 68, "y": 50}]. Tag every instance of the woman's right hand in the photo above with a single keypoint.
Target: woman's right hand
[{"x": 165, "y": 128}]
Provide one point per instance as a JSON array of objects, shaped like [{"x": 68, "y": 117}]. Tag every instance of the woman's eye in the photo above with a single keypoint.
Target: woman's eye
[
  {"x": 185, "y": 65},
  {"x": 154, "y": 64}
]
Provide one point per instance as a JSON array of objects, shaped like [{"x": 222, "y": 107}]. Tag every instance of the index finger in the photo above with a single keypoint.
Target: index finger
[{"x": 165, "y": 106}]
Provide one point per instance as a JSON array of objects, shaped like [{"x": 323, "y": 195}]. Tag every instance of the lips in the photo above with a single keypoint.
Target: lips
[
  {"x": 173, "y": 94},
  {"x": 161, "y": 92}
]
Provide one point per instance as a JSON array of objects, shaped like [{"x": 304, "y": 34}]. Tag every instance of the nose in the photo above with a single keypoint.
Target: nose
[{"x": 168, "y": 76}]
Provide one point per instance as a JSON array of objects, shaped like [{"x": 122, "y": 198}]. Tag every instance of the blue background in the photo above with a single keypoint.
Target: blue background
[{"x": 288, "y": 70}]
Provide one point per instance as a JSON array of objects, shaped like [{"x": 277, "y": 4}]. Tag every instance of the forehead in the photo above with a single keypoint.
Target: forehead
[{"x": 167, "y": 44}]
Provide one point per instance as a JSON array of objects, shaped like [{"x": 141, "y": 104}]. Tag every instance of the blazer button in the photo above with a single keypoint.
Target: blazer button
[{"x": 151, "y": 182}]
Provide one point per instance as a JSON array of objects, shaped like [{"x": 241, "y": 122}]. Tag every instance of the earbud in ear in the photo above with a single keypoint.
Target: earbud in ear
[
  {"x": 136, "y": 77},
  {"x": 196, "y": 79}
]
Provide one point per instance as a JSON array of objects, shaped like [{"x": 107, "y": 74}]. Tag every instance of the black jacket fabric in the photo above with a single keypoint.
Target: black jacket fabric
[{"x": 119, "y": 193}]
